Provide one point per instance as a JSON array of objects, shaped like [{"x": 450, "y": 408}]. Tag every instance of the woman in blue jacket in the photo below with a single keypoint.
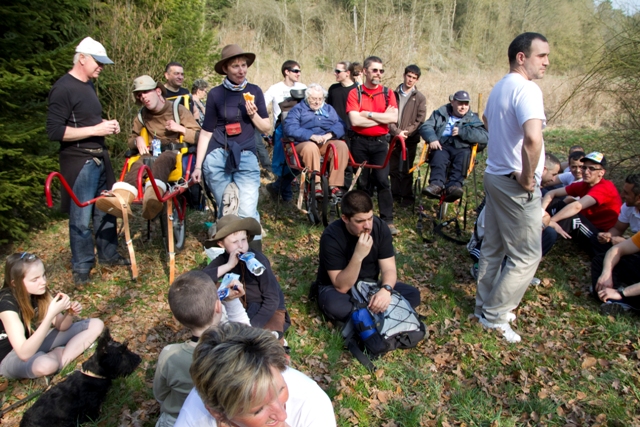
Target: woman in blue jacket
[{"x": 312, "y": 124}]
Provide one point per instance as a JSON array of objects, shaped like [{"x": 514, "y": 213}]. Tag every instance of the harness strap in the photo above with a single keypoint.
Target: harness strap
[
  {"x": 170, "y": 243},
  {"x": 303, "y": 177},
  {"x": 357, "y": 175},
  {"x": 127, "y": 235}
]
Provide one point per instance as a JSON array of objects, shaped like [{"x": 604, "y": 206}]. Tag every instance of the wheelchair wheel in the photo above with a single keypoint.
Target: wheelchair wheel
[
  {"x": 179, "y": 228},
  {"x": 330, "y": 204},
  {"x": 311, "y": 200},
  {"x": 452, "y": 231}
]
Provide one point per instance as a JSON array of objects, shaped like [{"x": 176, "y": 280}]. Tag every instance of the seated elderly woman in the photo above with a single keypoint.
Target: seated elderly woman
[
  {"x": 312, "y": 124},
  {"x": 242, "y": 379}
]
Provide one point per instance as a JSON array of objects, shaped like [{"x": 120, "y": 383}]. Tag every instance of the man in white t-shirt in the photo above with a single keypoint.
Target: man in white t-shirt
[
  {"x": 629, "y": 212},
  {"x": 282, "y": 90},
  {"x": 242, "y": 379},
  {"x": 514, "y": 117}
]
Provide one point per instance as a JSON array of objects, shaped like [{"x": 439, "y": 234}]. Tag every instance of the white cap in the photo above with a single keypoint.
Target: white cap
[{"x": 91, "y": 47}]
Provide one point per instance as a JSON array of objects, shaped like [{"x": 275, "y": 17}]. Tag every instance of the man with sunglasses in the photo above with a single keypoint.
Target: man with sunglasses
[
  {"x": 75, "y": 120},
  {"x": 372, "y": 108},
  {"x": 171, "y": 127},
  {"x": 596, "y": 211},
  {"x": 280, "y": 91},
  {"x": 339, "y": 91}
]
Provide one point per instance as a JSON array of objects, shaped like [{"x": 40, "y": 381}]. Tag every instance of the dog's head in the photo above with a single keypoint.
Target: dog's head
[{"x": 111, "y": 358}]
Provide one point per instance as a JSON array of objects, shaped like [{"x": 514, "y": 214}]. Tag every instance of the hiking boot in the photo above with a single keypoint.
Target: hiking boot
[
  {"x": 453, "y": 193},
  {"x": 509, "y": 334},
  {"x": 151, "y": 206},
  {"x": 432, "y": 191},
  {"x": 81, "y": 278},
  {"x": 393, "y": 229},
  {"x": 612, "y": 308},
  {"x": 118, "y": 261},
  {"x": 111, "y": 204}
]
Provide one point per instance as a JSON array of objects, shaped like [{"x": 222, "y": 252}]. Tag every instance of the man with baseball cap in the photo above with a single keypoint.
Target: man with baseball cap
[
  {"x": 75, "y": 120},
  {"x": 450, "y": 132},
  {"x": 597, "y": 209},
  {"x": 172, "y": 127}
]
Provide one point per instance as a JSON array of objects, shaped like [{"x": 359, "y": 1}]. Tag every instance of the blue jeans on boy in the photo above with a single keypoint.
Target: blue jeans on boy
[
  {"x": 91, "y": 181},
  {"x": 247, "y": 178}
]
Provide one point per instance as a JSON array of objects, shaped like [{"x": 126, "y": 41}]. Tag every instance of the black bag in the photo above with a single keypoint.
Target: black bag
[{"x": 398, "y": 327}]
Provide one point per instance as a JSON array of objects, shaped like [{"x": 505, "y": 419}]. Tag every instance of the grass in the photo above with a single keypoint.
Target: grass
[{"x": 573, "y": 367}]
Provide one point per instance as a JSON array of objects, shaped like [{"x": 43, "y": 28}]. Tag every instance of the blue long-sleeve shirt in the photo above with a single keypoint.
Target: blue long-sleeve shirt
[{"x": 302, "y": 122}]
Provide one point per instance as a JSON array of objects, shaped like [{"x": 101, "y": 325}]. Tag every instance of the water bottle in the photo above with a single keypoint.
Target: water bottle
[
  {"x": 155, "y": 147},
  {"x": 224, "y": 289},
  {"x": 255, "y": 267},
  {"x": 363, "y": 322}
]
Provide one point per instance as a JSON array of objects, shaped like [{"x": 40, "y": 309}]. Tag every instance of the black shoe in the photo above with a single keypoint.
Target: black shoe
[
  {"x": 118, "y": 261},
  {"x": 81, "y": 278},
  {"x": 453, "y": 193},
  {"x": 432, "y": 191},
  {"x": 613, "y": 309}
]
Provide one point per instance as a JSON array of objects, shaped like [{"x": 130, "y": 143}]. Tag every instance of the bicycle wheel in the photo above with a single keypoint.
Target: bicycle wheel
[{"x": 330, "y": 204}]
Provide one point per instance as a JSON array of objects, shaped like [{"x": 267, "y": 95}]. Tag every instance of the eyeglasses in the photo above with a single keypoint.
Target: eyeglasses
[
  {"x": 377, "y": 70},
  {"x": 139, "y": 93},
  {"x": 590, "y": 168},
  {"x": 336, "y": 71},
  {"x": 295, "y": 70},
  {"x": 28, "y": 257}
]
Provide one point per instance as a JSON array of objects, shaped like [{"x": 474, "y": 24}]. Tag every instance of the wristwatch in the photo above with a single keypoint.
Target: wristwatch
[
  {"x": 621, "y": 291},
  {"x": 370, "y": 115},
  {"x": 388, "y": 288}
]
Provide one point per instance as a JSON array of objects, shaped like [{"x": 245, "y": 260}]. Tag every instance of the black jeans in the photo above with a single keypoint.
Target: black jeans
[
  {"x": 401, "y": 179},
  {"x": 440, "y": 159},
  {"x": 338, "y": 306},
  {"x": 625, "y": 273},
  {"x": 374, "y": 152}
]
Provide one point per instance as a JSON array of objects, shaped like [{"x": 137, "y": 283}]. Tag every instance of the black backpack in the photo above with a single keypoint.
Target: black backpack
[{"x": 369, "y": 336}]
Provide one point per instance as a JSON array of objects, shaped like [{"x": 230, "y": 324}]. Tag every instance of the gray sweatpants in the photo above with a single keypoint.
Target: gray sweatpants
[{"x": 513, "y": 227}]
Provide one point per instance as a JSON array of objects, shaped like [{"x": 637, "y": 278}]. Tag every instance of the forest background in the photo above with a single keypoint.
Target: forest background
[{"x": 459, "y": 44}]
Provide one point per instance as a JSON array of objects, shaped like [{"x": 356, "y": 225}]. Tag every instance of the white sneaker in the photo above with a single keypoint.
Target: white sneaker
[
  {"x": 535, "y": 282},
  {"x": 511, "y": 317},
  {"x": 509, "y": 334}
]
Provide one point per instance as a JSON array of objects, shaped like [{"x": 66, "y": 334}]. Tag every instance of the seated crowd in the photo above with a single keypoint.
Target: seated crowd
[{"x": 235, "y": 370}]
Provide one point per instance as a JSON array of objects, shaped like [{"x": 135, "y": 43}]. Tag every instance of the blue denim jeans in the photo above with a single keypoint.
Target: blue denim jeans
[
  {"x": 91, "y": 181},
  {"x": 247, "y": 178}
]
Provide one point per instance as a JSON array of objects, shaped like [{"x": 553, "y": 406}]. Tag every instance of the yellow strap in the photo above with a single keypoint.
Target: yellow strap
[
  {"x": 172, "y": 254},
  {"x": 127, "y": 236},
  {"x": 472, "y": 162},
  {"x": 423, "y": 157}
]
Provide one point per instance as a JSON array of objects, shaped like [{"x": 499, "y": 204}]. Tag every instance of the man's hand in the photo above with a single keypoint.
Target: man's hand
[
  {"x": 363, "y": 247},
  {"x": 380, "y": 301},
  {"x": 142, "y": 147},
  {"x": 107, "y": 127},
  {"x": 455, "y": 131},
  {"x": 404, "y": 134},
  {"x": 559, "y": 229},
  {"x": 174, "y": 127},
  {"x": 435, "y": 145},
  {"x": 609, "y": 294},
  {"x": 528, "y": 183},
  {"x": 604, "y": 282},
  {"x": 604, "y": 237}
]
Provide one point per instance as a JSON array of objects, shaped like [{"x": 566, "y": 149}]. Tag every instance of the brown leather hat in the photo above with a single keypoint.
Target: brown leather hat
[{"x": 229, "y": 52}]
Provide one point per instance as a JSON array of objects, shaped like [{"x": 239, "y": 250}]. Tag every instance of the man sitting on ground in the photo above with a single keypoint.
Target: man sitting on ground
[
  {"x": 566, "y": 178},
  {"x": 629, "y": 213},
  {"x": 357, "y": 247},
  {"x": 596, "y": 211},
  {"x": 313, "y": 124},
  {"x": 450, "y": 132},
  {"x": 242, "y": 379},
  {"x": 158, "y": 118},
  {"x": 616, "y": 278}
]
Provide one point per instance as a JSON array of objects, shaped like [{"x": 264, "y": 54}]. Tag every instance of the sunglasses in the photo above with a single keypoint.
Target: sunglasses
[
  {"x": 590, "y": 168},
  {"x": 28, "y": 257},
  {"x": 296, "y": 70},
  {"x": 377, "y": 70},
  {"x": 336, "y": 71}
]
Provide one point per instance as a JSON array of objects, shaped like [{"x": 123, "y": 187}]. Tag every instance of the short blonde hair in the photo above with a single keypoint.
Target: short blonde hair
[{"x": 231, "y": 368}]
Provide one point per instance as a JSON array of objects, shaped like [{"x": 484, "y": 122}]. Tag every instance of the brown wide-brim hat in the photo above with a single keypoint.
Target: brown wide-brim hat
[
  {"x": 229, "y": 224},
  {"x": 229, "y": 52}
]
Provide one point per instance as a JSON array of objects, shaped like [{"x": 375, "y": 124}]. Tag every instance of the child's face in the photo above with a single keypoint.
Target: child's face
[
  {"x": 35, "y": 279},
  {"x": 235, "y": 241}
]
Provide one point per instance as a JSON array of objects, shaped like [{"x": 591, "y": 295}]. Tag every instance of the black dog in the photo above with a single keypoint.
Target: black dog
[{"x": 78, "y": 398}]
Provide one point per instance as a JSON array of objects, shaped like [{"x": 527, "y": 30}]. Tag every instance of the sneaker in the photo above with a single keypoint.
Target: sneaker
[
  {"x": 337, "y": 191},
  {"x": 511, "y": 317},
  {"x": 118, "y": 261},
  {"x": 474, "y": 271},
  {"x": 81, "y": 278},
  {"x": 535, "y": 282},
  {"x": 509, "y": 334},
  {"x": 319, "y": 193},
  {"x": 611, "y": 308},
  {"x": 433, "y": 191},
  {"x": 393, "y": 229},
  {"x": 453, "y": 193}
]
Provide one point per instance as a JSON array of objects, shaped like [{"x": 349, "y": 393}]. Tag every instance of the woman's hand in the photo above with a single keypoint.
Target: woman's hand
[
  {"x": 251, "y": 108},
  {"x": 197, "y": 174},
  {"x": 75, "y": 308},
  {"x": 60, "y": 303}
]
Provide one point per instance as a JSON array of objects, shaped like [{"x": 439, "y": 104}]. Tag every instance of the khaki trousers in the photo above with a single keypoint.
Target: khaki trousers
[
  {"x": 513, "y": 228},
  {"x": 310, "y": 156}
]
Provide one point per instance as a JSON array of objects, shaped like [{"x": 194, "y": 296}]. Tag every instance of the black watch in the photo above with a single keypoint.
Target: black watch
[{"x": 388, "y": 288}]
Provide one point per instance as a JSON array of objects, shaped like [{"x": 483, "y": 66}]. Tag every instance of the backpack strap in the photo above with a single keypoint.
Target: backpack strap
[
  {"x": 176, "y": 104},
  {"x": 385, "y": 92},
  {"x": 348, "y": 333}
]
